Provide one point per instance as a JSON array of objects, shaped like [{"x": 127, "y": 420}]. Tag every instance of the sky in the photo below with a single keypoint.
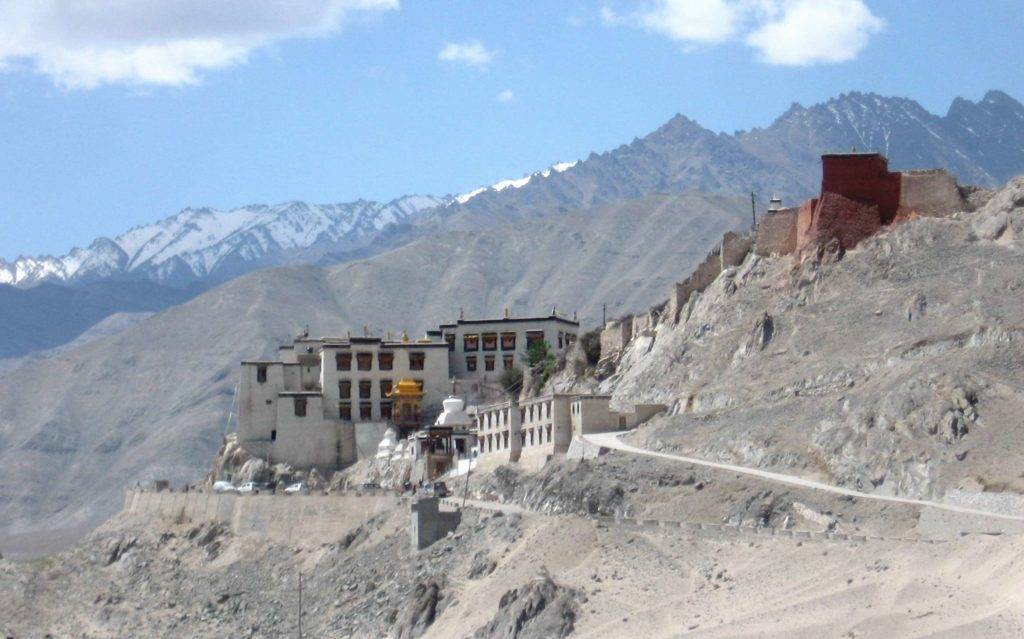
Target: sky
[{"x": 116, "y": 113}]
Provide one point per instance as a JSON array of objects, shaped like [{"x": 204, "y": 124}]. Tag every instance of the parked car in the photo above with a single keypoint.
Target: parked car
[
  {"x": 297, "y": 487},
  {"x": 249, "y": 488},
  {"x": 224, "y": 487},
  {"x": 370, "y": 485},
  {"x": 441, "y": 489}
]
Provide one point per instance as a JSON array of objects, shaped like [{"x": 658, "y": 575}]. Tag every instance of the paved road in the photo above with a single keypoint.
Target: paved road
[{"x": 611, "y": 440}]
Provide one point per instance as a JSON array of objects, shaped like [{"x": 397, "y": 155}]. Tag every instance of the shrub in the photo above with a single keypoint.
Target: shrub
[
  {"x": 512, "y": 380},
  {"x": 590, "y": 344}
]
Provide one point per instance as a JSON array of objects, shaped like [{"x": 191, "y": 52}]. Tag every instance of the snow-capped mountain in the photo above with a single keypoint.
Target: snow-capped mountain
[
  {"x": 199, "y": 243},
  {"x": 516, "y": 183}
]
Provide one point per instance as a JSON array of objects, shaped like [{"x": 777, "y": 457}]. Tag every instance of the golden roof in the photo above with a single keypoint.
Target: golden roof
[{"x": 405, "y": 388}]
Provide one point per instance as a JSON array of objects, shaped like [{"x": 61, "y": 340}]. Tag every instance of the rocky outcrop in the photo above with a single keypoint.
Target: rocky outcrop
[{"x": 540, "y": 609}]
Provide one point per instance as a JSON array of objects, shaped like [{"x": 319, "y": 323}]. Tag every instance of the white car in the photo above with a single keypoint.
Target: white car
[
  {"x": 297, "y": 487},
  {"x": 249, "y": 488},
  {"x": 224, "y": 487}
]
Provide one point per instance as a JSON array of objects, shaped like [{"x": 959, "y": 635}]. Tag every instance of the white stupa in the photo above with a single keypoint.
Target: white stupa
[
  {"x": 387, "y": 444},
  {"x": 454, "y": 414}
]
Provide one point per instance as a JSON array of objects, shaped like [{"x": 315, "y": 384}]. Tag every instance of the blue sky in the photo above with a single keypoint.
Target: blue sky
[{"x": 135, "y": 113}]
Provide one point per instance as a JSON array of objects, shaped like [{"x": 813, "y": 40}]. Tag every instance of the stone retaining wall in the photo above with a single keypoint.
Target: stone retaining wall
[{"x": 290, "y": 519}]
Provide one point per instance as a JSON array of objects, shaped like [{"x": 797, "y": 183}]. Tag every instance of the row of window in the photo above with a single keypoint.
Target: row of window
[
  {"x": 385, "y": 361},
  {"x": 507, "y": 362},
  {"x": 345, "y": 409},
  {"x": 365, "y": 410},
  {"x": 365, "y": 387},
  {"x": 530, "y": 437},
  {"x": 489, "y": 341}
]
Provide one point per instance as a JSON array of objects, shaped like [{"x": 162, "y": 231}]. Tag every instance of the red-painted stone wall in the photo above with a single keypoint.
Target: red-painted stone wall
[
  {"x": 833, "y": 216},
  {"x": 864, "y": 177}
]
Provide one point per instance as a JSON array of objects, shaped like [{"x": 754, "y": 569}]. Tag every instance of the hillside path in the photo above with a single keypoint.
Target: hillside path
[{"x": 613, "y": 441}]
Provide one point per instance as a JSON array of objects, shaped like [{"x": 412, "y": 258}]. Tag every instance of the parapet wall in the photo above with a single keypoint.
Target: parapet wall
[
  {"x": 291, "y": 519},
  {"x": 931, "y": 193},
  {"x": 615, "y": 335},
  {"x": 731, "y": 252},
  {"x": 776, "y": 233}
]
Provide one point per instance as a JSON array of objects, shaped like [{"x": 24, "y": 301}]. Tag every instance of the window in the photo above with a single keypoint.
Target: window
[
  {"x": 385, "y": 361},
  {"x": 345, "y": 388},
  {"x": 269, "y": 402},
  {"x": 490, "y": 341},
  {"x": 534, "y": 337},
  {"x": 471, "y": 363},
  {"x": 273, "y": 435},
  {"x": 450, "y": 339},
  {"x": 364, "y": 361},
  {"x": 622, "y": 422},
  {"x": 385, "y": 387},
  {"x": 345, "y": 411},
  {"x": 364, "y": 388},
  {"x": 299, "y": 404},
  {"x": 343, "y": 361},
  {"x": 488, "y": 362},
  {"x": 261, "y": 374},
  {"x": 365, "y": 411},
  {"x": 549, "y": 410},
  {"x": 385, "y": 410},
  {"x": 508, "y": 341},
  {"x": 416, "y": 361},
  {"x": 471, "y": 342},
  {"x": 508, "y": 361},
  {"x": 561, "y": 339}
]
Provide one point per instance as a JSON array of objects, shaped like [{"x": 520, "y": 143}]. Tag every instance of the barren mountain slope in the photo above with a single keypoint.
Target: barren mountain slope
[
  {"x": 898, "y": 368},
  {"x": 151, "y": 402}
]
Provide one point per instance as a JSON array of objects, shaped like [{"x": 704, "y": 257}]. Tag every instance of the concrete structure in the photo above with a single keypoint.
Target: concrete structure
[
  {"x": 439, "y": 447},
  {"x": 307, "y": 408},
  {"x": 540, "y": 427},
  {"x": 482, "y": 348},
  {"x": 429, "y": 524},
  {"x": 589, "y": 414}
]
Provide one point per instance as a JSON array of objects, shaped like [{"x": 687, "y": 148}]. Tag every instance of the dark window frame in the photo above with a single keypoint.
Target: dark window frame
[
  {"x": 473, "y": 338},
  {"x": 491, "y": 339},
  {"x": 417, "y": 360},
  {"x": 365, "y": 411},
  {"x": 385, "y": 361},
  {"x": 342, "y": 406},
  {"x": 299, "y": 406},
  {"x": 364, "y": 357},
  {"x": 471, "y": 363},
  {"x": 344, "y": 388},
  {"x": 489, "y": 362},
  {"x": 261, "y": 373},
  {"x": 365, "y": 389},
  {"x": 343, "y": 361}
]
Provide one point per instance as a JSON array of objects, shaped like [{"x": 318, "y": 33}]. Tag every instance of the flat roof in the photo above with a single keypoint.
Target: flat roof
[
  {"x": 510, "y": 320},
  {"x": 383, "y": 344},
  {"x": 260, "y": 362},
  {"x": 850, "y": 154},
  {"x": 299, "y": 394}
]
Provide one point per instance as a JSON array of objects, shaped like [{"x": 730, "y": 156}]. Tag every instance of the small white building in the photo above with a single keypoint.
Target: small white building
[{"x": 533, "y": 430}]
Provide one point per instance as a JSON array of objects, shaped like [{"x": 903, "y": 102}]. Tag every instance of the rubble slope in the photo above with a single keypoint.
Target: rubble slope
[{"x": 896, "y": 367}]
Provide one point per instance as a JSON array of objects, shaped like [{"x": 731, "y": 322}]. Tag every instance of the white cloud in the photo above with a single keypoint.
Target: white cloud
[
  {"x": 472, "y": 52},
  {"x": 816, "y": 31},
  {"x": 784, "y": 32},
  {"x": 693, "y": 21},
  {"x": 84, "y": 44},
  {"x": 506, "y": 95}
]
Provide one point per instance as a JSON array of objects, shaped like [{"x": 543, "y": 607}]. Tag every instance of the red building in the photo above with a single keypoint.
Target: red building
[{"x": 858, "y": 196}]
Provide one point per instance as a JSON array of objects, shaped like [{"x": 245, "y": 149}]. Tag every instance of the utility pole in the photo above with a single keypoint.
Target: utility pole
[
  {"x": 300, "y": 604},
  {"x": 604, "y": 315},
  {"x": 753, "y": 214}
]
